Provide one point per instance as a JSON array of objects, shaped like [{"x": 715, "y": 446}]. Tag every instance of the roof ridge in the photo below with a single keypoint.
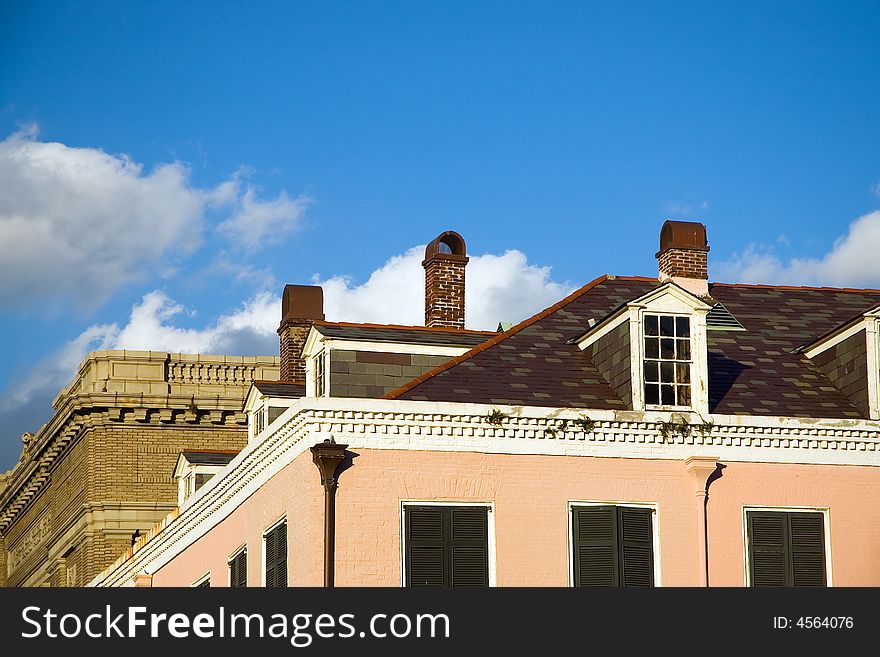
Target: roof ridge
[
  {"x": 500, "y": 337},
  {"x": 445, "y": 329},
  {"x": 765, "y": 286}
]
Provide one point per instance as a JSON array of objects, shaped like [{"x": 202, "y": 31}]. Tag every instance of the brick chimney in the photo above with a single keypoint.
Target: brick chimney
[
  {"x": 301, "y": 306},
  {"x": 444, "y": 265},
  {"x": 683, "y": 256}
]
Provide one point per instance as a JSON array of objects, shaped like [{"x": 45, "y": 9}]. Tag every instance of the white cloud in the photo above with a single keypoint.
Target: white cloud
[
  {"x": 876, "y": 189},
  {"x": 686, "y": 209},
  {"x": 78, "y": 223},
  {"x": 852, "y": 261},
  {"x": 255, "y": 223},
  {"x": 498, "y": 288}
]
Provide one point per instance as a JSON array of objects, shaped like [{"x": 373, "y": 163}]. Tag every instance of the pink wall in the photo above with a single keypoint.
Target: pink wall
[
  {"x": 295, "y": 492},
  {"x": 530, "y": 496}
]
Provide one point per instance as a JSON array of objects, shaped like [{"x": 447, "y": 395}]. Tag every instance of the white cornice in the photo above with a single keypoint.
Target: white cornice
[{"x": 410, "y": 425}]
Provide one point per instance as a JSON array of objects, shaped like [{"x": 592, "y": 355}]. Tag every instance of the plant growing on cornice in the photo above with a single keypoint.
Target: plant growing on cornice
[
  {"x": 496, "y": 417},
  {"x": 704, "y": 428},
  {"x": 668, "y": 430},
  {"x": 584, "y": 423}
]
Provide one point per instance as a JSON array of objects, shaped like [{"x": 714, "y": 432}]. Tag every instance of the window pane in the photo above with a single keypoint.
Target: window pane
[
  {"x": 667, "y": 325},
  {"x": 652, "y": 348},
  {"x": 684, "y": 395},
  {"x": 667, "y": 348},
  {"x": 682, "y": 373},
  {"x": 652, "y": 325},
  {"x": 667, "y": 395},
  {"x": 682, "y": 326},
  {"x": 652, "y": 371},
  {"x": 684, "y": 349},
  {"x": 652, "y": 393},
  {"x": 667, "y": 372}
]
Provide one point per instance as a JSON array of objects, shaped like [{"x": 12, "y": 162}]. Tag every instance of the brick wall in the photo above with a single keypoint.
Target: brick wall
[
  {"x": 372, "y": 374},
  {"x": 683, "y": 263},
  {"x": 611, "y": 356},
  {"x": 444, "y": 290},
  {"x": 846, "y": 366},
  {"x": 126, "y": 462},
  {"x": 293, "y": 334}
]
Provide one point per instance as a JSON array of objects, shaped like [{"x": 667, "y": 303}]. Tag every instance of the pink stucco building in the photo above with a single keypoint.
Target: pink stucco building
[{"x": 640, "y": 432}]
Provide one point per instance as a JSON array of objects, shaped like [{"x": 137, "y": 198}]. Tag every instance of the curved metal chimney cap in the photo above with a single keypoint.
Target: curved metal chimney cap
[
  {"x": 302, "y": 302},
  {"x": 446, "y": 243},
  {"x": 686, "y": 235}
]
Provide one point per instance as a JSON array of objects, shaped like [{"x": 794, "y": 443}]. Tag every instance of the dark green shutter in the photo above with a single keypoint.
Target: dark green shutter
[
  {"x": 613, "y": 546},
  {"x": 281, "y": 556},
  {"x": 595, "y": 546},
  {"x": 469, "y": 546},
  {"x": 636, "y": 546},
  {"x": 807, "y": 549},
  {"x": 270, "y": 559},
  {"x": 767, "y": 548},
  {"x": 276, "y": 557},
  {"x": 447, "y": 546},
  {"x": 786, "y": 549},
  {"x": 238, "y": 570},
  {"x": 424, "y": 539}
]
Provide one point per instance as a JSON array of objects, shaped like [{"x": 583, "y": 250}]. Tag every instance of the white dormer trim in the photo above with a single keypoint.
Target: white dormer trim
[
  {"x": 872, "y": 337},
  {"x": 667, "y": 299}
]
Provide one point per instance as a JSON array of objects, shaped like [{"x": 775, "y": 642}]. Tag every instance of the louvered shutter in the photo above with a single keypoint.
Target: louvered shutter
[
  {"x": 281, "y": 555},
  {"x": 595, "y": 546},
  {"x": 424, "y": 540},
  {"x": 271, "y": 557},
  {"x": 767, "y": 539},
  {"x": 468, "y": 546},
  {"x": 233, "y": 573},
  {"x": 807, "y": 549},
  {"x": 238, "y": 570},
  {"x": 635, "y": 530}
]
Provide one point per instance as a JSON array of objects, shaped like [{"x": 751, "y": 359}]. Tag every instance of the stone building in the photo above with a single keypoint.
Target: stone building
[{"x": 101, "y": 470}]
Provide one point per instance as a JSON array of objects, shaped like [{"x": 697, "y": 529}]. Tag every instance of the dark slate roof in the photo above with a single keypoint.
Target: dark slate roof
[
  {"x": 751, "y": 372},
  {"x": 285, "y": 389},
  {"x": 209, "y": 457},
  {"x": 446, "y": 337}
]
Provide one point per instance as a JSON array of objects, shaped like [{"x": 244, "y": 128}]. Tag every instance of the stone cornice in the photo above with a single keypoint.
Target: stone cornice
[
  {"x": 133, "y": 387},
  {"x": 410, "y": 425},
  {"x": 87, "y": 411}
]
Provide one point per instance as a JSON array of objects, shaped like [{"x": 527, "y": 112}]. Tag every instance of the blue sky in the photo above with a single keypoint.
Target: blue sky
[{"x": 220, "y": 150}]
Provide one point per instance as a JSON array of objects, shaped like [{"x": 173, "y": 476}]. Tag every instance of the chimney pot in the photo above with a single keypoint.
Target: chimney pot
[
  {"x": 301, "y": 306},
  {"x": 682, "y": 257}
]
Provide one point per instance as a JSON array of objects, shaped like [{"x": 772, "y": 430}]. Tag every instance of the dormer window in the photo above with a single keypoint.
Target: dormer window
[
  {"x": 653, "y": 351},
  {"x": 667, "y": 360}
]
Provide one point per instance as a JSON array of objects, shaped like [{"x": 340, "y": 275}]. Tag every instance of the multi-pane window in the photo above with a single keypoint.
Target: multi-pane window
[
  {"x": 204, "y": 583},
  {"x": 612, "y": 545},
  {"x": 276, "y": 556},
  {"x": 259, "y": 420},
  {"x": 319, "y": 375},
  {"x": 786, "y": 548},
  {"x": 238, "y": 569},
  {"x": 667, "y": 360},
  {"x": 447, "y": 545}
]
